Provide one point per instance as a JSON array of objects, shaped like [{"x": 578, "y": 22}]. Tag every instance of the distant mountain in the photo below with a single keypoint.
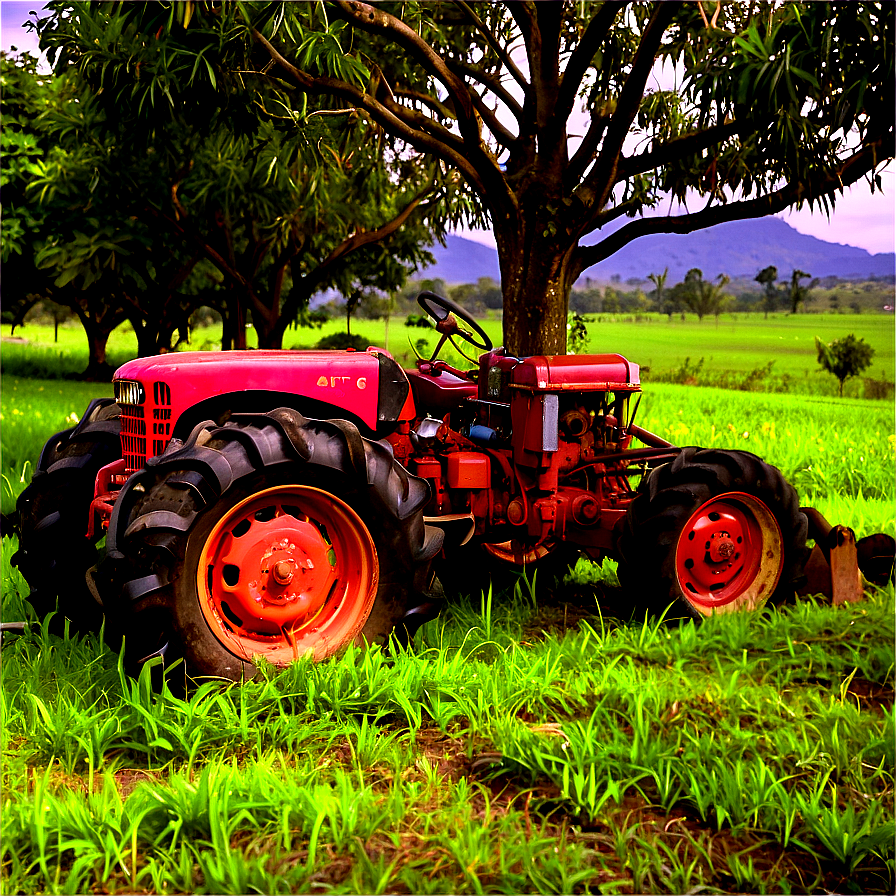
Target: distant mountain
[{"x": 739, "y": 249}]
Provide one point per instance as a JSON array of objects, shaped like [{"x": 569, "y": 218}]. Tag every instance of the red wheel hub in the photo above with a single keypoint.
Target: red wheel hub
[
  {"x": 729, "y": 554},
  {"x": 288, "y": 570}
]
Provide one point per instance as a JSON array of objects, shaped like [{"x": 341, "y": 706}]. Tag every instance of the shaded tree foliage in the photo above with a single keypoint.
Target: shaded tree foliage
[
  {"x": 752, "y": 115},
  {"x": 211, "y": 201}
]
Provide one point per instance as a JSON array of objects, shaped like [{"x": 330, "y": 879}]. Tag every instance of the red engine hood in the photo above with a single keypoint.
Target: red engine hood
[
  {"x": 560, "y": 373},
  {"x": 346, "y": 379}
]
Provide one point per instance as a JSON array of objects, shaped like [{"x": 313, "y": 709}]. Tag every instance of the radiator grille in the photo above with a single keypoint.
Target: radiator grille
[
  {"x": 144, "y": 425},
  {"x": 133, "y": 437}
]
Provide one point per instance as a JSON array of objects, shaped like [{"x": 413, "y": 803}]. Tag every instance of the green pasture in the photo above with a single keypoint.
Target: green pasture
[
  {"x": 524, "y": 743},
  {"x": 733, "y": 347}
]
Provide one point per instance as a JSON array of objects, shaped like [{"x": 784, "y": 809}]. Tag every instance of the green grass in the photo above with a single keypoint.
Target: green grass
[
  {"x": 753, "y": 753},
  {"x": 519, "y": 746},
  {"x": 731, "y": 349}
]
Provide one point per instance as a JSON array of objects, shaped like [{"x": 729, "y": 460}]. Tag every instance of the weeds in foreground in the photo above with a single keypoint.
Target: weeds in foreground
[{"x": 502, "y": 753}]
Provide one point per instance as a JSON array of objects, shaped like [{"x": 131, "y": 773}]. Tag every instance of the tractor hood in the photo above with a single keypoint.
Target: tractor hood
[
  {"x": 157, "y": 391},
  {"x": 560, "y": 373}
]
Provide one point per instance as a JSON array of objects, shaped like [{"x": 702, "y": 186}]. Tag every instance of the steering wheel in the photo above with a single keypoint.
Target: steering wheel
[{"x": 441, "y": 311}]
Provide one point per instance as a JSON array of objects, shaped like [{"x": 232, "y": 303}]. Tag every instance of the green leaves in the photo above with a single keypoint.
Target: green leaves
[{"x": 845, "y": 358}]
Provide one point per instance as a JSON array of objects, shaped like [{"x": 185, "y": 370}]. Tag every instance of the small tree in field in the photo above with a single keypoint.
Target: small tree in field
[{"x": 844, "y": 357}]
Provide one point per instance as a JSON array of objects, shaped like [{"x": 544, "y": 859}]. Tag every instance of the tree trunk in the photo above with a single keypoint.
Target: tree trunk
[
  {"x": 97, "y": 328},
  {"x": 145, "y": 339},
  {"x": 226, "y": 329},
  {"x": 267, "y": 327},
  {"x": 536, "y": 279},
  {"x": 98, "y": 370},
  {"x": 239, "y": 334},
  {"x": 272, "y": 338}
]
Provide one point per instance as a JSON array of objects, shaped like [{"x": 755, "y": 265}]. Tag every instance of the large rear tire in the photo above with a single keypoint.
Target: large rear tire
[
  {"x": 271, "y": 536},
  {"x": 712, "y": 532},
  {"x": 52, "y": 516}
]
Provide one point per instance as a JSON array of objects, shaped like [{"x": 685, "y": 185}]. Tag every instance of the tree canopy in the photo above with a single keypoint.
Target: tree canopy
[
  {"x": 562, "y": 118},
  {"x": 210, "y": 200}
]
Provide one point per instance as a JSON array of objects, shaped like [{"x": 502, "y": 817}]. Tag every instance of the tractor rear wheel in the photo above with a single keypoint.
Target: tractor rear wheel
[
  {"x": 245, "y": 543},
  {"x": 712, "y": 531},
  {"x": 52, "y": 515}
]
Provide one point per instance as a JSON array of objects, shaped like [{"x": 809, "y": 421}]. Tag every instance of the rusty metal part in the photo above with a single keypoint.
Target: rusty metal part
[{"x": 839, "y": 566}]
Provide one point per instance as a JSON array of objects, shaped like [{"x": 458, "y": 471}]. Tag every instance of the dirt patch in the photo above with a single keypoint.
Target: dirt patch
[
  {"x": 127, "y": 779},
  {"x": 871, "y": 694}
]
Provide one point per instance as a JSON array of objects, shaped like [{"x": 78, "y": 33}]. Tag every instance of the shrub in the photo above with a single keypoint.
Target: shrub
[
  {"x": 844, "y": 357},
  {"x": 344, "y": 340}
]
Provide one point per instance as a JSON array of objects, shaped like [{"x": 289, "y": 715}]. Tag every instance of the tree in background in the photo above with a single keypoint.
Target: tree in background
[
  {"x": 752, "y": 116},
  {"x": 37, "y": 227},
  {"x": 662, "y": 298},
  {"x": 845, "y": 358},
  {"x": 216, "y": 203},
  {"x": 24, "y": 96},
  {"x": 611, "y": 301},
  {"x": 767, "y": 277},
  {"x": 703, "y": 296},
  {"x": 797, "y": 292}
]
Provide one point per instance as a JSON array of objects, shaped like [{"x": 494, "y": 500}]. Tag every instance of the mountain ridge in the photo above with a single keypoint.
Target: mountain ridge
[{"x": 737, "y": 248}]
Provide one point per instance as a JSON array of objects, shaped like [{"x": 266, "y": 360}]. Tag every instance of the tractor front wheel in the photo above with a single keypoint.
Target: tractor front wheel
[
  {"x": 282, "y": 572},
  {"x": 270, "y": 537},
  {"x": 712, "y": 532}
]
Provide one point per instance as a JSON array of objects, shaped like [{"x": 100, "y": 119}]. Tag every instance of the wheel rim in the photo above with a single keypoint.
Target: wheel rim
[
  {"x": 729, "y": 555},
  {"x": 289, "y": 570}
]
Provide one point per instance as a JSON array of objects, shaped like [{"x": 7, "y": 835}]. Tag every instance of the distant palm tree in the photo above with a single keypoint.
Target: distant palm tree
[{"x": 768, "y": 276}]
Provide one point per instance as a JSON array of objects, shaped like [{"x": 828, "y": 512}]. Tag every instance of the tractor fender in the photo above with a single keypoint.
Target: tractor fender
[
  {"x": 221, "y": 408},
  {"x": 337, "y": 444}
]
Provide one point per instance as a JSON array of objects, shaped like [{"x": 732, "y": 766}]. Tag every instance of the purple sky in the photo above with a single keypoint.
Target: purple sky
[{"x": 860, "y": 218}]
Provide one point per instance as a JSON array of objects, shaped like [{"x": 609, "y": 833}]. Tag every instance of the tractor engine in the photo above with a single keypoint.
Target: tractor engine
[{"x": 535, "y": 451}]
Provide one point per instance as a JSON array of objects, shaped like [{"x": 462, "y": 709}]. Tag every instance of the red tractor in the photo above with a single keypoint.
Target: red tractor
[{"x": 275, "y": 502}]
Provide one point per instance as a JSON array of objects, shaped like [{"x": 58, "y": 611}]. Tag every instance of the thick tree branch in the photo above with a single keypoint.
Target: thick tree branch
[
  {"x": 582, "y": 56},
  {"x": 424, "y": 124},
  {"x": 375, "y": 21},
  {"x": 584, "y": 154},
  {"x": 477, "y": 177},
  {"x": 438, "y": 107},
  {"x": 498, "y": 131},
  {"x": 352, "y": 244},
  {"x": 603, "y": 176},
  {"x": 676, "y": 149},
  {"x": 523, "y": 12},
  {"x": 503, "y": 136},
  {"x": 490, "y": 82},
  {"x": 849, "y": 172}
]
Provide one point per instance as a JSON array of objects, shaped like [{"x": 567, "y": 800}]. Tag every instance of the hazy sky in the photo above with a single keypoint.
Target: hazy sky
[{"x": 860, "y": 218}]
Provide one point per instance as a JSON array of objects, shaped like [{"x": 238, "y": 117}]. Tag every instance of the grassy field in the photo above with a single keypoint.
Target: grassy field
[
  {"x": 738, "y": 344},
  {"x": 520, "y": 745}
]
